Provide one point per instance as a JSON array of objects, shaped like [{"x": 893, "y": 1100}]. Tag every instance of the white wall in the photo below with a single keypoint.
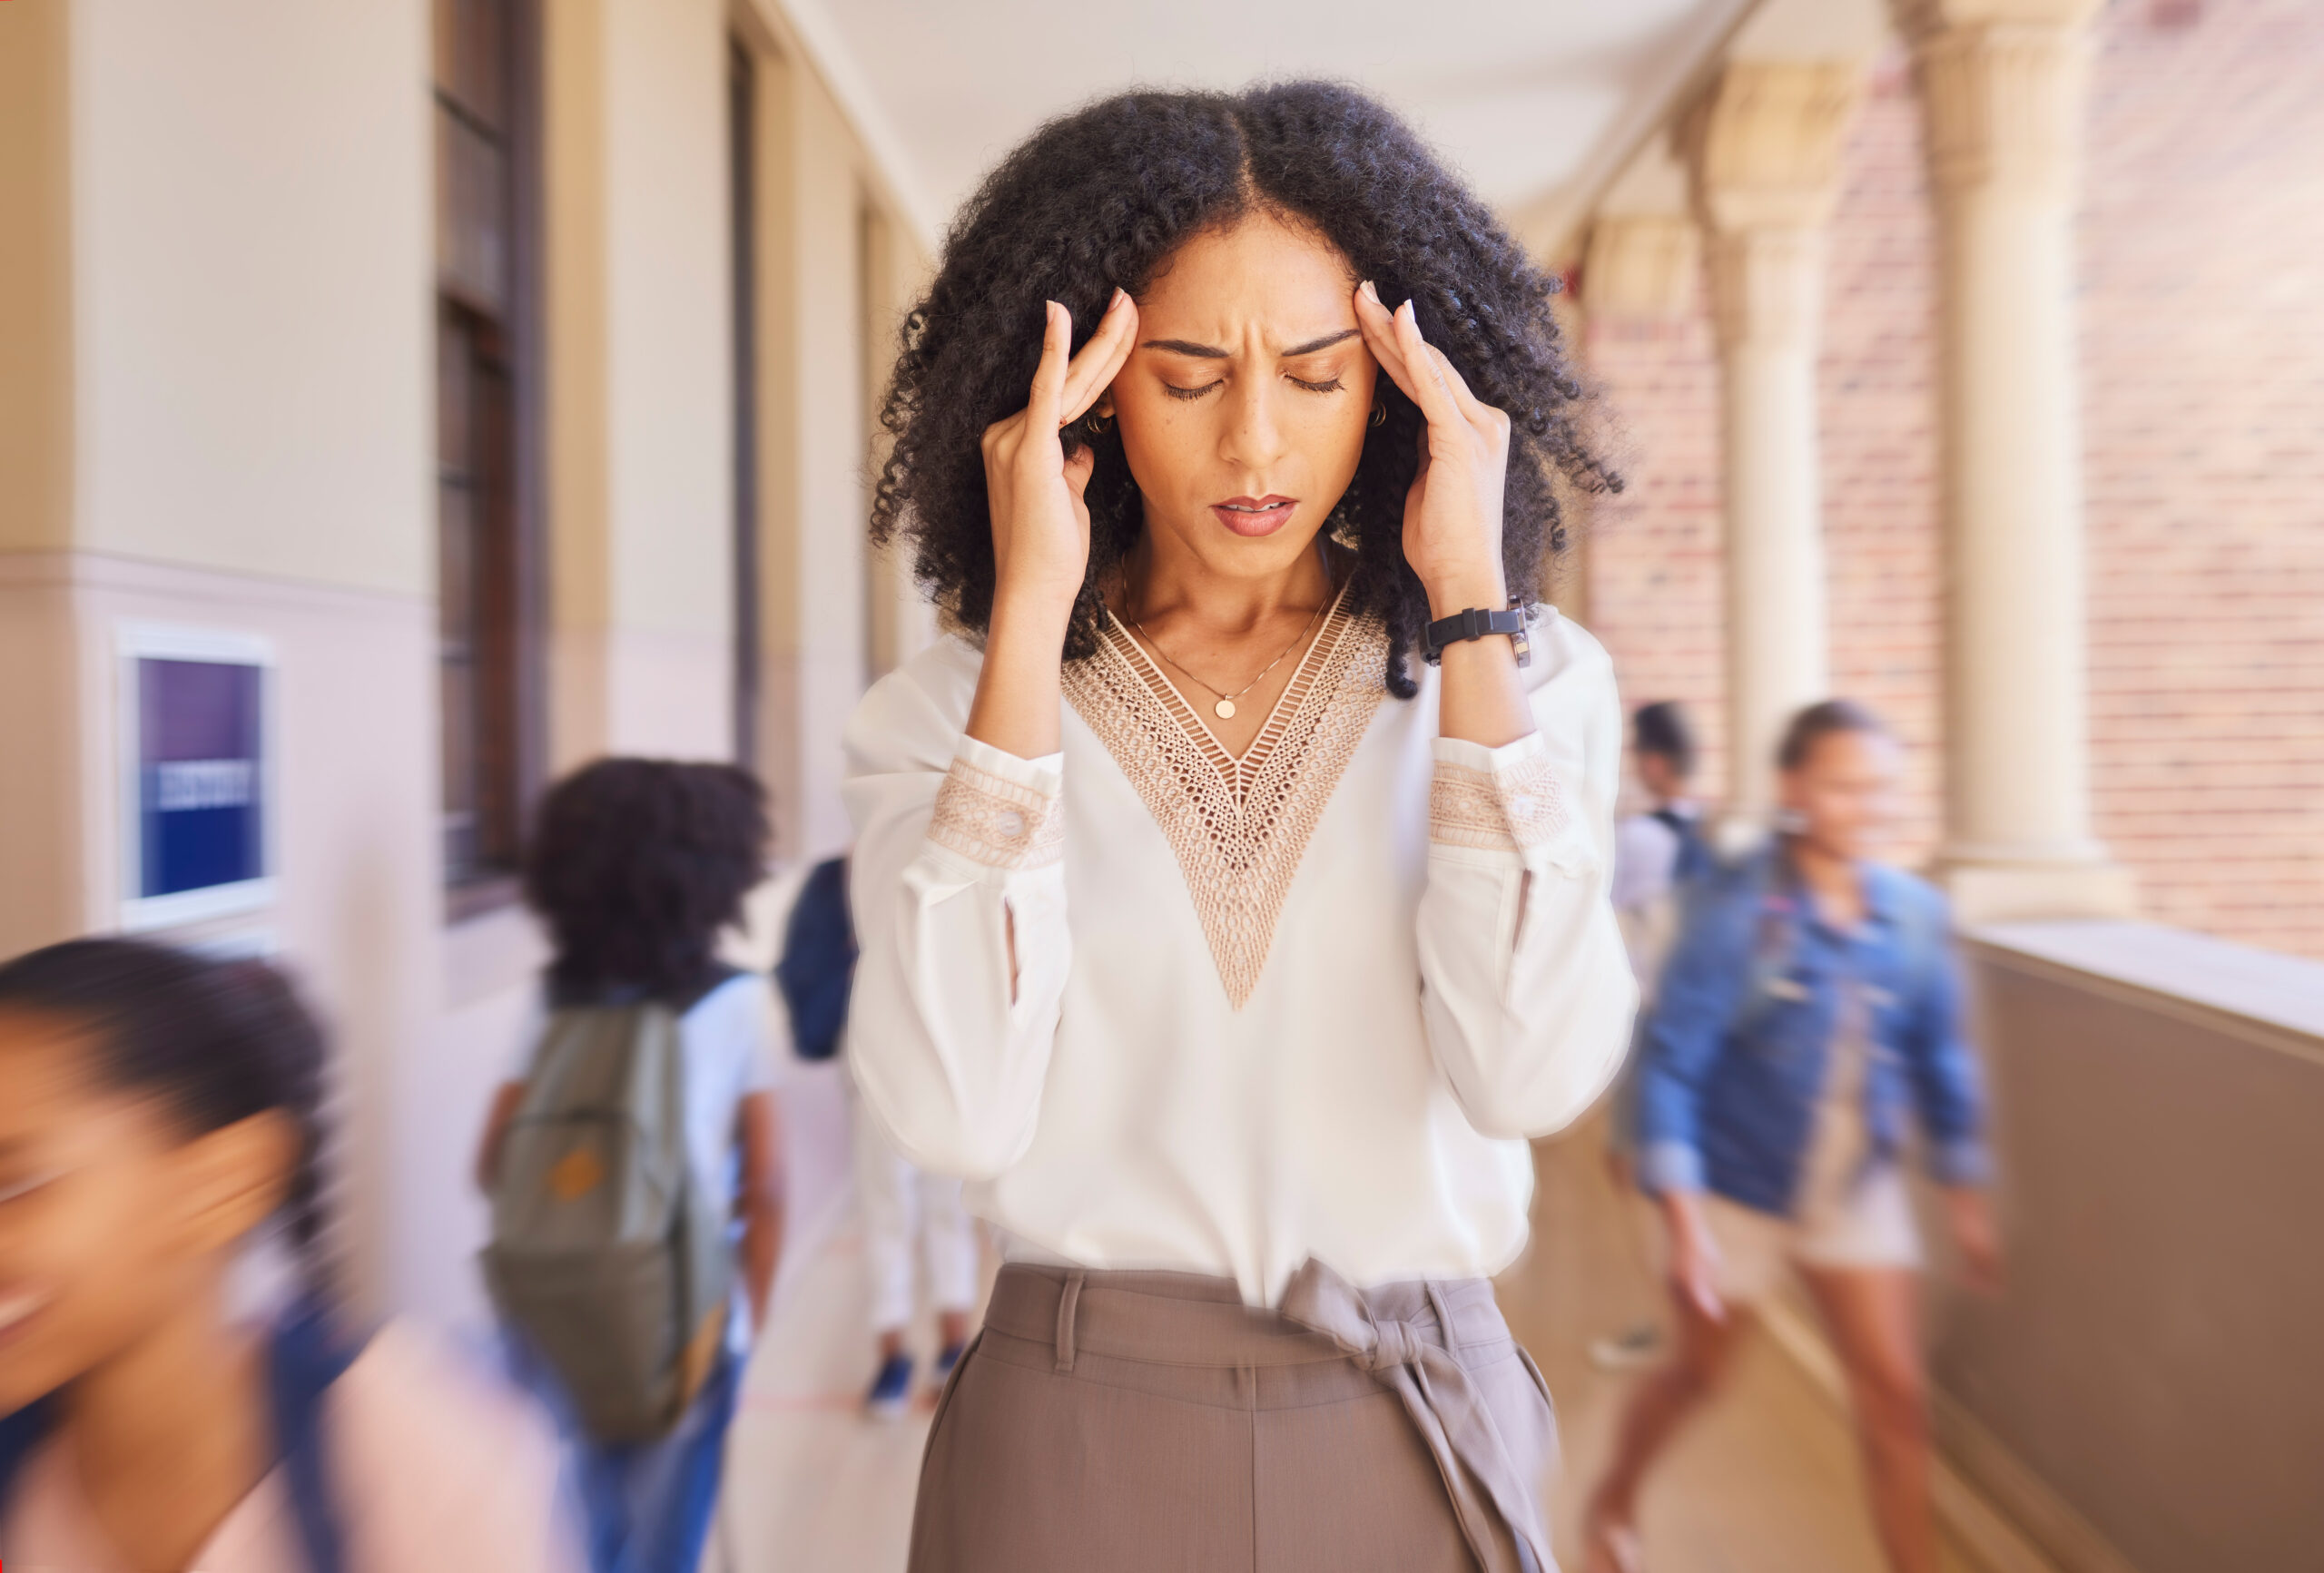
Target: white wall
[
  {"x": 669, "y": 377},
  {"x": 251, "y": 238}
]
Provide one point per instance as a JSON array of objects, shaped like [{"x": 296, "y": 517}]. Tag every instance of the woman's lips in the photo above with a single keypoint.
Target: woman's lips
[{"x": 1255, "y": 516}]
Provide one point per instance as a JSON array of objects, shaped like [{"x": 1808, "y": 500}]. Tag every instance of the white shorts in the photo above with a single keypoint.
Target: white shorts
[{"x": 1871, "y": 1227}]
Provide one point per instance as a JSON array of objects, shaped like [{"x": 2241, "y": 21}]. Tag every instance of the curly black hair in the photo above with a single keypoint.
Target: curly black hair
[
  {"x": 636, "y": 864},
  {"x": 1101, "y": 197}
]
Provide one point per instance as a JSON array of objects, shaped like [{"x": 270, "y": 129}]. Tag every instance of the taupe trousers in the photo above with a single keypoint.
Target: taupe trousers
[{"x": 1137, "y": 1421}]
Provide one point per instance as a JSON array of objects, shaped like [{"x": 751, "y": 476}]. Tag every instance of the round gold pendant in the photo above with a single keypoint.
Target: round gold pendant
[{"x": 1224, "y": 709}]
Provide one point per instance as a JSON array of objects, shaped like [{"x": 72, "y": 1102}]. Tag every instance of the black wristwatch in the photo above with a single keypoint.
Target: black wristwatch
[{"x": 1475, "y": 622}]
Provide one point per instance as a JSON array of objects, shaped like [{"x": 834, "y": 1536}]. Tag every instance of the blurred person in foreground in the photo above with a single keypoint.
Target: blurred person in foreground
[
  {"x": 1809, "y": 1009},
  {"x": 159, "y": 1127},
  {"x": 638, "y": 866},
  {"x": 908, "y": 1216},
  {"x": 1658, "y": 854},
  {"x": 1232, "y": 881}
]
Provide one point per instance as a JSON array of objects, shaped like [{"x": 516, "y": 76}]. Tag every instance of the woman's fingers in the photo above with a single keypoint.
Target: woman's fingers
[
  {"x": 1423, "y": 381},
  {"x": 1380, "y": 337},
  {"x": 1049, "y": 377},
  {"x": 1479, "y": 413},
  {"x": 1093, "y": 370},
  {"x": 1418, "y": 367}
]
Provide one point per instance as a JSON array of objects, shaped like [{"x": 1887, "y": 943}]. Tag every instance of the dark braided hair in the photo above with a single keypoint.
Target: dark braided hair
[
  {"x": 636, "y": 864},
  {"x": 215, "y": 1042},
  {"x": 1102, "y": 198}
]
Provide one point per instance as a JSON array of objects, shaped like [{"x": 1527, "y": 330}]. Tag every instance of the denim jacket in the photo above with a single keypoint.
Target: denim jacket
[{"x": 1733, "y": 1059}]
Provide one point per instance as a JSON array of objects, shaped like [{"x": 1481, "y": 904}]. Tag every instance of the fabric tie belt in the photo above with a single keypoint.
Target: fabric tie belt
[{"x": 1488, "y": 1490}]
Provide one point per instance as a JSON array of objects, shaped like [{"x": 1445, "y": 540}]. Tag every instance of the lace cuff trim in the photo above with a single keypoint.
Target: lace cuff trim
[
  {"x": 996, "y": 822},
  {"x": 1515, "y": 809}
]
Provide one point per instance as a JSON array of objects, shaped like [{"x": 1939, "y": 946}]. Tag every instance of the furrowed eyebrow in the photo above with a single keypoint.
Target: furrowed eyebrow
[
  {"x": 1186, "y": 346},
  {"x": 1325, "y": 342},
  {"x": 1212, "y": 352}
]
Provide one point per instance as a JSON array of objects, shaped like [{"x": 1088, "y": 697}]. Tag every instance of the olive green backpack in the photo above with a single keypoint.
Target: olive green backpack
[{"x": 605, "y": 1255}]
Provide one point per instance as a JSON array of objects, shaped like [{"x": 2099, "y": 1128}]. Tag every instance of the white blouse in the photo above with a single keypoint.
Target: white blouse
[{"x": 1305, "y": 1003}]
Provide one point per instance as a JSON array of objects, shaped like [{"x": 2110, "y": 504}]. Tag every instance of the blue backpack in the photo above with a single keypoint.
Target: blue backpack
[
  {"x": 818, "y": 965},
  {"x": 303, "y": 1360}
]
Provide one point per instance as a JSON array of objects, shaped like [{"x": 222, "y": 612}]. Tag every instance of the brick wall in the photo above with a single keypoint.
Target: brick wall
[
  {"x": 2202, "y": 323},
  {"x": 1656, "y": 592},
  {"x": 1651, "y": 556},
  {"x": 2202, "y": 319}
]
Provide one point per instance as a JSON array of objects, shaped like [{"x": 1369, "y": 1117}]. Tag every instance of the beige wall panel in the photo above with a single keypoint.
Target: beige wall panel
[
  {"x": 641, "y": 455},
  {"x": 779, "y": 400},
  {"x": 253, "y": 243},
  {"x": 573, "y": 291},
  {"x": 669, "y": 383},
  {"x": 812, "y": 453},
  {"x": 42, "y": 808},
  {"x": 36, "y": 280}
]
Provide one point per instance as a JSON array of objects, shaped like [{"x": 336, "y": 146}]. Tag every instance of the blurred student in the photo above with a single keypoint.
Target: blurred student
[
  {"x": 1809, "y": 1009},
  {"x": 1657, "y": 853},
  {"x": 160, "y": 1117},
  {"x": 907, "y": 1215},
  {"x": 636, "y": 866}
]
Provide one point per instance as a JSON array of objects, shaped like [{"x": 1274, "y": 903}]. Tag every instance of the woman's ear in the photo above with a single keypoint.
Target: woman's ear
[
  {"x": 1104, "y": 407},
  {"x": 236, "y": 1177}
]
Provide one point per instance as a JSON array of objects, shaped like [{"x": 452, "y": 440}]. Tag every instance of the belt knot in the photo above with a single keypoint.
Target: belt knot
[{"x": 1394, "y": 1343}]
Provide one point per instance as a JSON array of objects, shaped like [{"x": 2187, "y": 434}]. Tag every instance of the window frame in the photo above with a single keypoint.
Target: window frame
[{"x": 509, "y": 638}]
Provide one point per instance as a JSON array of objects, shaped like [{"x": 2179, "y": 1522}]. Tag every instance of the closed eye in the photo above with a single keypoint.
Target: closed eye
[
  {"x": 1333, "y": 386},
  {"x": 1175, "y": 391}
]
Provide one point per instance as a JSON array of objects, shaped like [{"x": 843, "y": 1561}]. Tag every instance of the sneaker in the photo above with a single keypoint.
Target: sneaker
[
  {"x": 1640, "y": 1343},
  {"x": 946, "y": 1358},
  {"x": 890, "y": 1393}
]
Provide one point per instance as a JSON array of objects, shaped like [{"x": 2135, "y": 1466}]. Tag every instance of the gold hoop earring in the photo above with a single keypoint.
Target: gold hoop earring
[
  {"x": 1380, "y": 412},
  {"x": 1094, "y": 424}
]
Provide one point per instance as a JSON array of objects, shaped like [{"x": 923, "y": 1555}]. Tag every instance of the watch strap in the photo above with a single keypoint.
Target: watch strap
[{"x": 1477, "y": 623}]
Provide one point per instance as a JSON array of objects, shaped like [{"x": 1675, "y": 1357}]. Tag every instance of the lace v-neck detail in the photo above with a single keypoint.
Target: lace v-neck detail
[{"x": 1238, "y": 825}]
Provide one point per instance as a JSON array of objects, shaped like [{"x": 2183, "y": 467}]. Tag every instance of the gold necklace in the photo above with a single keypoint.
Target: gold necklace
[{"x": 1224, "y": 708}]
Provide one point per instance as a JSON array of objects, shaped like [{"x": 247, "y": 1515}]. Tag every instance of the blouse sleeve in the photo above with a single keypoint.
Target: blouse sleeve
[
  {"x": 1526, "y": 991},
  {"x": 958, "y": 885}
]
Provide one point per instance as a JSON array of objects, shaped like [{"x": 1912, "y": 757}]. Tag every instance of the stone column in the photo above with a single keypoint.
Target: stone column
[
  {"x": 2002, "y": 87},
  {"x": 1765, "y": 172}
]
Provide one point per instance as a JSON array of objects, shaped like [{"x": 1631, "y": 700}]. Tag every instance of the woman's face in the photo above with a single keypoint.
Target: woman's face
[
  {"x": 110, "y": 1221},
  {"x": 1845, "y": 791},
  {"x": 1244, "y": 407}
]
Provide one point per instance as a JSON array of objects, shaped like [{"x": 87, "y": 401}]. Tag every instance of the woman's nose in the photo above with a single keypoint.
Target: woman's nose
[{"x": 1254, "y": 439}]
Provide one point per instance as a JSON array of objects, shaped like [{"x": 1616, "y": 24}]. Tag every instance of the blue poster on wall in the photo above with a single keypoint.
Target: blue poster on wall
[{"x": 198, "y": 790}]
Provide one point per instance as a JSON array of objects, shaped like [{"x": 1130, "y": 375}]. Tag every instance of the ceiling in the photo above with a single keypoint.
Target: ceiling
[{"x": 1538, "y": 101}]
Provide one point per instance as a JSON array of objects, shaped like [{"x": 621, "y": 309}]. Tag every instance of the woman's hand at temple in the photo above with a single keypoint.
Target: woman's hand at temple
[
  {"x": 1040, "y": 525},
  {"x": 1040, "y": 531},
  {"x": 1452, "y": 520},
  {"x": 1453, "y": 512}
]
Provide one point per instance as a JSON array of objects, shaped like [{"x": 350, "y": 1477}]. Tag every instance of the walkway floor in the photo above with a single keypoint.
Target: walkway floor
[{"x": 1766, "y": 1483}]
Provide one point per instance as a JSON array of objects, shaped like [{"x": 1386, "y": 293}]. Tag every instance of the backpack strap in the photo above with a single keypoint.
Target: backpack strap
[
  {"x": 302, "y": 1362},
  {"x": 21, "y": 1434},
  {"x": 1692, "y": 859}
]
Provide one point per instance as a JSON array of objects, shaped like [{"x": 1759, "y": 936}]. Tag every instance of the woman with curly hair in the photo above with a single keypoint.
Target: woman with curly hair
[
  {"x": 1232, "y": 883},
  {"x": 636, "y": 867}
]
